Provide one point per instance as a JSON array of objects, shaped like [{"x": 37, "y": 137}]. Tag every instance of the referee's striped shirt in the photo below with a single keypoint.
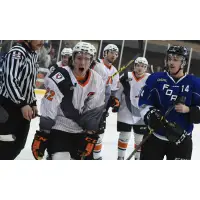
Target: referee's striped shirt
[{"x": 19, "y": 75}]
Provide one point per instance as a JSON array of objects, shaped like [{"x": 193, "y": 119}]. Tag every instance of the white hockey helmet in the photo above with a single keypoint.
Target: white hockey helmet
[
  {"x": 142, "y": 60},
  {"x": 83, "y": 47},
  {"x": 66, "y": 51},
  {"x": 111, "y": 47},
  {"x": 94, "y": 49}
]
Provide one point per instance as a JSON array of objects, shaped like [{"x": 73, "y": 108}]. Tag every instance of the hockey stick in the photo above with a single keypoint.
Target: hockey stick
[
  {"x": 125, "y": 66},
  {"x": 179, "y": 100},
  {"x": 141, "y": 143},
  {"x": 151, "y": 67}
]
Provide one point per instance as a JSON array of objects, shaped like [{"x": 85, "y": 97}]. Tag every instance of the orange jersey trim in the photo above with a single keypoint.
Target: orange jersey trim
[{"x": 81, "y": 78}]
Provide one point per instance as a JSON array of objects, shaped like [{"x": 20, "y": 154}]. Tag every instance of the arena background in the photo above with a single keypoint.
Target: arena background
[{"x": 153, "y": 50}]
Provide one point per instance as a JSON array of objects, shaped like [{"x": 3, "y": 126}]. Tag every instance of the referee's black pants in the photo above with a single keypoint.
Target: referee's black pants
[{"x": 17, "y": 126}]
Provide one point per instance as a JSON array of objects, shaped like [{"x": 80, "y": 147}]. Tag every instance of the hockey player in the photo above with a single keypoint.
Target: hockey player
[
  {"x": 128, "y": 115},
  {"x": 66, "y": 55},
  {"x": 71, "y": 109},
  {"x": 170, "y": 104},
  {"x": 97, "y": 66},
  {"x": 110, "y": 54},
  {"x": 95, "y": 56}
]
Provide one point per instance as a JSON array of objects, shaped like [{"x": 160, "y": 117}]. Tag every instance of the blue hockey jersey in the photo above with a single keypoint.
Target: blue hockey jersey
[{"x": 161, "y": 91}]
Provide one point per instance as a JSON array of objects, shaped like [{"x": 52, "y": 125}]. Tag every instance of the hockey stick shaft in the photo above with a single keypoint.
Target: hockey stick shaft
[
  {"x": 125, "y": 66},
  {"x": 140, "y": 145}
]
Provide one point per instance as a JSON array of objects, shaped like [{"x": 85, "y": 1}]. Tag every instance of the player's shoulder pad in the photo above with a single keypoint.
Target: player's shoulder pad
[
  {"x": 195, "y": 80},
  {"x": 96, "y": 76},
  {"x": 97, "y": 64},
  {"x": 147, "y": 74},
  {"x": 62, "y": 79},
  {"x": 156, "y": 77}
]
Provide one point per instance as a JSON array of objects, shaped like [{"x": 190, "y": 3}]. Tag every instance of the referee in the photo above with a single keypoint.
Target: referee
[{"x": 17, "y": 97}]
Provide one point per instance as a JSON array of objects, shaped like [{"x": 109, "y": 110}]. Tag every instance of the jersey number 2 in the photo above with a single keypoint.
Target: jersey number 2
[{"x": 49, "y": 94}]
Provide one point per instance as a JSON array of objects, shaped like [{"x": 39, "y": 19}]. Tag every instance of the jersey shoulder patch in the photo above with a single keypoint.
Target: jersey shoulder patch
[
  {"x": 62, "y": 79},
  {"x": 58, "y": 77}
]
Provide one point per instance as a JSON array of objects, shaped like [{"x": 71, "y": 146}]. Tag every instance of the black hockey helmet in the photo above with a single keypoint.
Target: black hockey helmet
[{"x": 178, "y": 50}]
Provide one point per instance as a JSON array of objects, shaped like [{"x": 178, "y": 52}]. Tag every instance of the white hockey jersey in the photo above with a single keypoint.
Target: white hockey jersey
[
  {"x": 129, "y": 95},
  {"x": 110, "y": 70},
  {"x": 60, "y": 64},
  {"x": 124, "y": 114},
  {"x": 82, "y": 110},
  {"x": 100, "y": 69}
]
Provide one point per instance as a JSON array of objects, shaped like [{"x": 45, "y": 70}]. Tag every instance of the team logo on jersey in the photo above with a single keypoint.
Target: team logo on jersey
[
  {"x": 176, "y": 86},
  {"x": 162, "y": 80},
  {"x": 58, "y": 77},
  {"x": 17, "y": 56},
  {"x": 90, "y": 94}
]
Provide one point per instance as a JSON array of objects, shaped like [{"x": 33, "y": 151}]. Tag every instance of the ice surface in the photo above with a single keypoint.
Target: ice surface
[{"x": 109, "y": 151}]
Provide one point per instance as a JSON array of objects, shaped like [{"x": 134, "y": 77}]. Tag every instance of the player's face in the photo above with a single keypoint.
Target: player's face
[
  {"x": 112, "y": 56},
  {"x": 37, "y": 44},
  {"x": 82, "y": 63},
  {"x": 140, "y": 69},
  {"x": 174, "y": 63},
  {"x": 65, "y": 60}
]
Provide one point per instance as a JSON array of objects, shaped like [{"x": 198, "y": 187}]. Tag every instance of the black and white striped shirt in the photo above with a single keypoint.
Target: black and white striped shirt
[{"x": 19, "y": 75}]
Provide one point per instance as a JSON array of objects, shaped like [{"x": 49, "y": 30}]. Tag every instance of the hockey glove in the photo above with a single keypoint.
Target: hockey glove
[
  {"x": 87, "y": 145},
  {"x": 39, "y": 144},
  {"x": 154, "y": 119},
  {"x": 115, "y": 104},
  {"x": 174, "y": 133}
]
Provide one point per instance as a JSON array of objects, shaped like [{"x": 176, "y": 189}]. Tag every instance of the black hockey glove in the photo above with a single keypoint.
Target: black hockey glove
[
  {"x": 115, "y": 104},
  {"x": 154, "y": 119},
  {"x": 39, "y": 144},
  {"x": 87, "y": 144},
  {"x": 174, "y": 133}
]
